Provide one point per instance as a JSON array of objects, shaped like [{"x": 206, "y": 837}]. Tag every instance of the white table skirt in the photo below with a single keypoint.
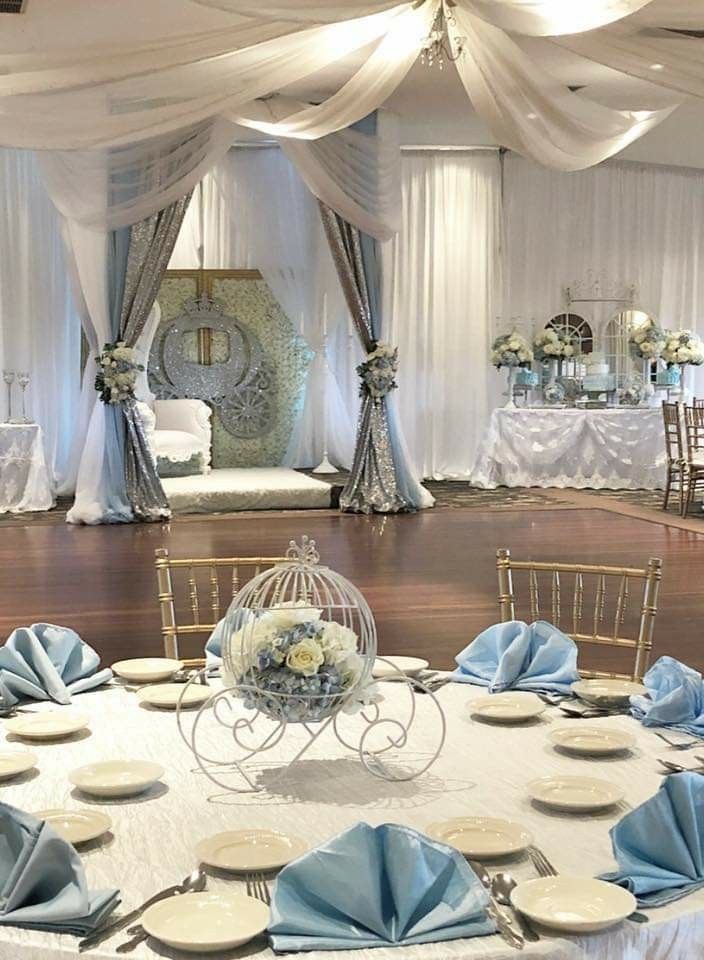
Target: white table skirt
[
  {"x": 24, "y": 478},
  {"x": 618, "y": 448},
  {"x": 483, "y": 770}
]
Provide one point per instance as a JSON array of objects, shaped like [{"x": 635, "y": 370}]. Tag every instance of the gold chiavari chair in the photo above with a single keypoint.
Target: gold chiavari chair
[
  {"x": 674, "y": 448},
  {"x": 587, "y": 585},
  {"x": 200, "y": 578},
  {"x": 694, "y": 454}
]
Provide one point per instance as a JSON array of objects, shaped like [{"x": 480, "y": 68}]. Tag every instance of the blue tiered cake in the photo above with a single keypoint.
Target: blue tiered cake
[{"x": 597, "y": 378}]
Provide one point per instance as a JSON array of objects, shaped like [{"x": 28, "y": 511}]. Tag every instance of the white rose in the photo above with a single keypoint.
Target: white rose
[
  {"x": 684, "y": 355},
  {"x": 514, "y": 344},
  {"x": 523, "y": 356},
  {"x": 640, "y": 336},
  {"x": 305, "y": 657},
  {"x": 646, "y": 348},
  {"x": 286, "y": 615},
  {"x": 569, "y": 350},
  {"x": 551, "y": 335}
]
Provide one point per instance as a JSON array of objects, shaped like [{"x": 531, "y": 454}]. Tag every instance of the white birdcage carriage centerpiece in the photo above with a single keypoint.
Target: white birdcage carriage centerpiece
[
  {"x": 301, "y": 641},
  {"x": 299, "y": 648}
]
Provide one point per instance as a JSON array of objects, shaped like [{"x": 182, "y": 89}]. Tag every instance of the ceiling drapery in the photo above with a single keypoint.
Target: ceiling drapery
[{"x": 146, "y": 116}]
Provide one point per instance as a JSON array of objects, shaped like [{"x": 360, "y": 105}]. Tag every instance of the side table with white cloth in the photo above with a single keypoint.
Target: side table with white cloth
[
  {"x": 483, "y": 771},
  {"x": 25, "y": 484},
  {"x": 615, "y": 448}
]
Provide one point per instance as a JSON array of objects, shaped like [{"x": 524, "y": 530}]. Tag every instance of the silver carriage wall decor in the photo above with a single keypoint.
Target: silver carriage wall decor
[{"x": 205, "y": 354}]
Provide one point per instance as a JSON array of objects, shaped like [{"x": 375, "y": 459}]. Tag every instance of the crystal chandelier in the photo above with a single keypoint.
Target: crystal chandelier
[{"x": 438, "y": 46}]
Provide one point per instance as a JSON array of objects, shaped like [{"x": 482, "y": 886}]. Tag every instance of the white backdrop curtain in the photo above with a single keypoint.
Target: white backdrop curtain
[
  {"x": 39, "y": 325},
  {"x": 441, "y": 281},
  {"x": 254, "y": 211},
  {"x": 636, "y": 223}
]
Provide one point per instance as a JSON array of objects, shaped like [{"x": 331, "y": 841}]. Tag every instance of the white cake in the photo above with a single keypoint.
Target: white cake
[{"x": 598, "y": 379}]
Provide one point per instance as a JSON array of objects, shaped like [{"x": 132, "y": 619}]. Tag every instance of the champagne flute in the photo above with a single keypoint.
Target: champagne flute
[
  {"x": 23, "y": 380},
  {"x": 9, "y": 378}
]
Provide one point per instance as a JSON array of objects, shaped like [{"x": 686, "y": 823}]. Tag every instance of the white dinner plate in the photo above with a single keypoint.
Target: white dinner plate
[
  {"x": 578, "y": 794},
  {"x": 76, "y": 826},
  {"x": 481, "y": 837},
  {"x": 12, "y": 763},
  {"x": 507, "y": 707},
  {"x": 607, "y": 693},
  {"x": 593, "y": 741},
  {"x": 167, "y": 695},
  {"x": 240, "y": 850},
  {"x": 146, "y": 669},
  {"x": 206, "y": 922},
  {"x": 116, "y": 778},
  {"x": 410, "y": 666},
  {"x": 48, "y": 725},
  {"x": 574, "y": 904}
]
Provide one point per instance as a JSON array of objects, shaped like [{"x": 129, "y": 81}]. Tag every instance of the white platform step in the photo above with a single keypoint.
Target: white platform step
[{"x": 253, "y": 488}]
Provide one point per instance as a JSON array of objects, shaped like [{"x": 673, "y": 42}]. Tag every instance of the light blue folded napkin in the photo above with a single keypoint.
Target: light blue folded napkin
[
  {"x": 376, "y": 887},
  {"x": 46, "y": 662},
  {"x": 675, "y": 697},
  {"x": 518, "y": 656},
  {"x": 659, "y": 846},
  {"x": 42, "y": 882},
  {"x": 213, "y": 646}
]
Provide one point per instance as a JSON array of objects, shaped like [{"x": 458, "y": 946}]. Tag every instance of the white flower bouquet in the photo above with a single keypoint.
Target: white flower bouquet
[
  {"x": 647, "y": 341},
  {"x": 510, "y": 350},
  {"x": 553, "y": 344},
  {"x": 378, "y": 371},
  {"x": 118, "y": 371},
  {"x": 294, "y": 666},
  {"x": 682, "y": 346}
]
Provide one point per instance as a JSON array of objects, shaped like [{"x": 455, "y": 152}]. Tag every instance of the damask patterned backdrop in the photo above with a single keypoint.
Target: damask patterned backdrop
[{"x": 225, "y": 329}]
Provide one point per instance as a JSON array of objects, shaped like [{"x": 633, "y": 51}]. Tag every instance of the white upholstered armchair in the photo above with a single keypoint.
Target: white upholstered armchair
[{"x": 179, "y": 434}]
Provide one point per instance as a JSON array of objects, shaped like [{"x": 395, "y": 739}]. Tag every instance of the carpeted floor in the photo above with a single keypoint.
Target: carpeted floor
[{"x": 454, "y": 495}]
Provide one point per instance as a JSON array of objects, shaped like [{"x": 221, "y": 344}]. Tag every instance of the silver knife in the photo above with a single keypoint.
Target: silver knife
[{"x": 102, "y": 933}]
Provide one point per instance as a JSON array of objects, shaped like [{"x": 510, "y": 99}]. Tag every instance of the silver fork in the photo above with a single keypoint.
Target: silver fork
[
  {"x": 258, "y": 888},
  {"x": 544, "y": 868}
]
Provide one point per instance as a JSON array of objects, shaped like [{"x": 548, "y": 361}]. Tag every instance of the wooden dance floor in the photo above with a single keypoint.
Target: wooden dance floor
[{"x": 429, "y": 578}]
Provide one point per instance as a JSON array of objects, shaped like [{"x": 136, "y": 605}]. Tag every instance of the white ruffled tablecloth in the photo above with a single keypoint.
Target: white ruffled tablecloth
[
  {"x": 25, "y": 484},
  {"x": 619, "y": 448},
  {"x": 483, "y": 770}
]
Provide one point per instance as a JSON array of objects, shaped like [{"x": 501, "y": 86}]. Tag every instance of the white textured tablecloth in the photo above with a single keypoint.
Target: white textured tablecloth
[
  {"x": 24, "y": 478},
  {"x": 620, "y": 448},
  {"x": 483, "y": 770}
]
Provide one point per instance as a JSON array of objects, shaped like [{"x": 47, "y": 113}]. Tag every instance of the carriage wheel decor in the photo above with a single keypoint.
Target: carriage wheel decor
[{"x": 298, "y": 652}]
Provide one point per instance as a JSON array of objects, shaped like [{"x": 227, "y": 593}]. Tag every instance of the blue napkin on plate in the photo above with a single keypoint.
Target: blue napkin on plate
[
  {"x": 659, "y": 846},
  {"x": 675, "y": 698},
  {"x": 46, "y": 662},
  {"x": 518, "y": 656},
  {"x": 377, "y": 887},
  {"x": 42, "y": 883}
]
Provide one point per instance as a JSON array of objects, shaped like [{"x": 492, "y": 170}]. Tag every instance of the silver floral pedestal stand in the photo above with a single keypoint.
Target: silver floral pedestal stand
[{"x": 244, "y": 726}]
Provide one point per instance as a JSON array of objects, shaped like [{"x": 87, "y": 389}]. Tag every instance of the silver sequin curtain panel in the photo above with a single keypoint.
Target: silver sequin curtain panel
[
  {"x": 151, "y": 243},
  {"x": 373, "y": 485}
]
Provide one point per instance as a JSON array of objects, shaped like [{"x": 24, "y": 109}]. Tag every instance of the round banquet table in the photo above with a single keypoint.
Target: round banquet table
[
  {"x": 482, "y": 770},
  {"x": 615, "y": 448}
]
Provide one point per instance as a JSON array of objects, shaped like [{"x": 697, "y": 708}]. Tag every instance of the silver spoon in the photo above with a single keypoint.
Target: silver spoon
[{"x": 501, "y": 886}]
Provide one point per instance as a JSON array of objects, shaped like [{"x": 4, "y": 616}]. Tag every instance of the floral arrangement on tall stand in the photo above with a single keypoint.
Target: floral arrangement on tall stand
[
  {"x": 117, "y": 374},
  {"x": 551, "y": 346},
  {"x": 299, "y": 648},
  {"x": 511, "y": 350},
  {"x": 378, "y": 371},
  {"x": 682, "y": 348},
  {"x": 646, "y": 342}
]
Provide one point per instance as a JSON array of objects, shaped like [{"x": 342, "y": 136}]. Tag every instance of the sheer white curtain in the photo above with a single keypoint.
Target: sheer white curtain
[
  {"x": 39, "y": 325},
  {"x": 441, "y": 280},
  {"x": 254, "y": 211},
  {"x": 638, "y": 224}
]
